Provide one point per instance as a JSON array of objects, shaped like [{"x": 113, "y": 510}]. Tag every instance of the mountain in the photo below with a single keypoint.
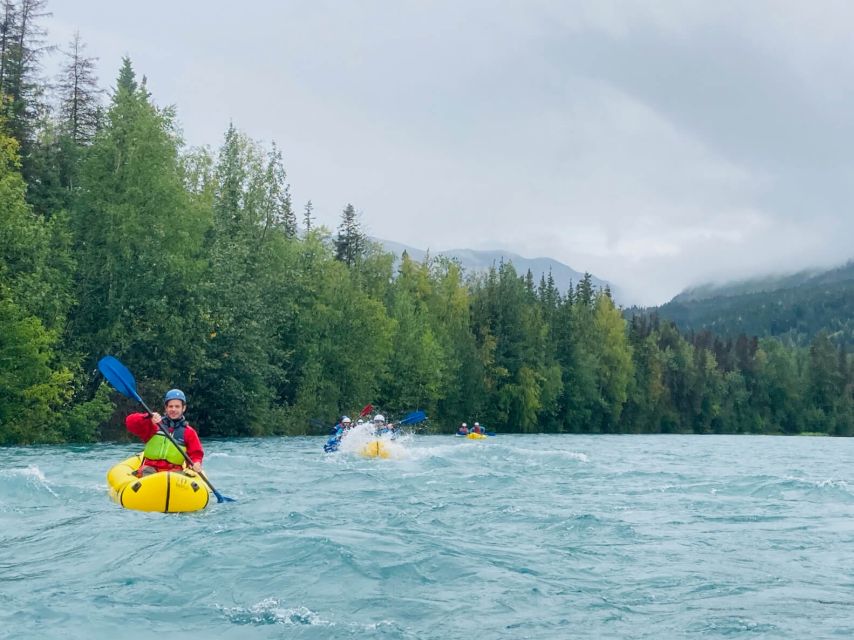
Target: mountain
[
  {"x": 478, "y": 261},
  {"x": 752, "y": 285},
  {"x": 795, "y": 306}
]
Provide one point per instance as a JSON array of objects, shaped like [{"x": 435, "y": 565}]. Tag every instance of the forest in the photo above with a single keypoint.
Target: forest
[
  {"x": 793, "y": 309},
  {"x": 195, "y": 268}
]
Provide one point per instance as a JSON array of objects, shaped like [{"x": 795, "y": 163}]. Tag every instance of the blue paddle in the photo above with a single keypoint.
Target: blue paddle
[
  {"x": 122, "y": 381},
  {"x": 413, "y": 418}
]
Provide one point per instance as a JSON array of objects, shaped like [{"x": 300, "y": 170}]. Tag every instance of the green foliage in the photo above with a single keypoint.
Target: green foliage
[
  {"x": 35, "y": 259},
  {"x": 332, "y": 340},
  {"x": 613, "y": 358},
  {"x": 232, "y": 380},
  {"x": 139, "y": 235},
  {"x": 415, "y": 374},
  {"x": 37, "y": 402},
  {"x": 30, "y": 388}
]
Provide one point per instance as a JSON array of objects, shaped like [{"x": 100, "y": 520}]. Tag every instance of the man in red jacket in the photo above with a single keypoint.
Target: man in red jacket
[{"x": 159, "y": 453}]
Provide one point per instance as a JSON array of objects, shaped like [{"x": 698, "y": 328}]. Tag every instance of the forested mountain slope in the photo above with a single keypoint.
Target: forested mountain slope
[{"x": 794, "y": 307}]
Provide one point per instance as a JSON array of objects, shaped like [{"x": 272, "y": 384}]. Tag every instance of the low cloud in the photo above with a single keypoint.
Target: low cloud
[{"x": 655, "y": 145}]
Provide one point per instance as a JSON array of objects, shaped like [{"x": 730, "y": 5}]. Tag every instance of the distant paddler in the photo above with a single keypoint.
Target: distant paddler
[{"x": 383, "y": 428}]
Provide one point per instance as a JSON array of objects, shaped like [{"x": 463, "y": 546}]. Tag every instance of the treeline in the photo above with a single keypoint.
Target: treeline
[{"x": 196, "y": 270}]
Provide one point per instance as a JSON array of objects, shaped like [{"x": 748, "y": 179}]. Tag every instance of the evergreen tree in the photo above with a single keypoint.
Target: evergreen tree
[
  {"x": 584, "y": 293},
  {"x": 282, "y": 214},
  {"x": 138, "y": 234},
  {"x": 737, "y": 414},
  {"x": 35, "y": 259},
  {"x": 709, "y": 389},
  {"x": 824, "y": 384},
  {"x": 513, "y": 341},
  {"x": 79, "y": 95},
  {"x": 679, "y": 378},
  {"x": 56, "y": 156},
  {"x": 782, "y": 388},
  {"x": 648, "y": 401},
  {"x": 350, "y": 242},
  {"x": 463, "y": 392},
  {"x": 234, "y": 379},
  {"x": 22, "y": 44},
  {"x": 308, "y": 217},
  {"x": 416, "y": 374}
]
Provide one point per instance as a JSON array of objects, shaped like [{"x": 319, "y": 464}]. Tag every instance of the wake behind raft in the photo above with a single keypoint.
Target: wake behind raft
[
  {"x": 372, "y": 439},
  {"x": 374, "y": 448},
  {"x": 166, "y": 492}
]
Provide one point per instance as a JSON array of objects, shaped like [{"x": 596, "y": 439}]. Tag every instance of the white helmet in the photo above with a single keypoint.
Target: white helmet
[
  {"x": 477, "y": 424},
  {"x": 346, "y": 420},
  {"x": 379, "y": 418},
  {"x": 463, "y": 424},
  {"x": 360, "y": 421}
]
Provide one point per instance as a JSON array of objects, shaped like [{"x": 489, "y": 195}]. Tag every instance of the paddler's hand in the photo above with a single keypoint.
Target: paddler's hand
[
  {"x": 156, "y": 418},
  {"x": 197, "y": 466}
]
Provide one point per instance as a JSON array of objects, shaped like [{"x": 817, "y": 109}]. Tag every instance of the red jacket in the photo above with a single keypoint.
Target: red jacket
[{"x": 140, "y": 424}]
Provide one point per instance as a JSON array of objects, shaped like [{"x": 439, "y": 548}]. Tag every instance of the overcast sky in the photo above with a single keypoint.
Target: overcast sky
[{"x": 654, "y": 144}]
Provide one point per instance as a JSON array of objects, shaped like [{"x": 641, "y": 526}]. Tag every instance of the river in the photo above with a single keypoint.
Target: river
[{"x": 516, "y": 536}]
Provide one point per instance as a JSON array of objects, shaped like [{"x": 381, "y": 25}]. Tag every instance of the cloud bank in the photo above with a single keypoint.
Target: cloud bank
[{"x": 657, "y": 145}]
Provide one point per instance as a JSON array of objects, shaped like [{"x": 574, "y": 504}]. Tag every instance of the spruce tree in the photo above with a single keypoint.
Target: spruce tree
[
  {"x": 250, "y": 199},
  {"x": 350, "y": 243},
  {"x": 281, "y": 214},
  {"x": 138, "y": 235},
  {"x": 79, "y": 96},
  {"x": 22, "y": 45},
  {"x": 308, "y": 217},
  {"x": 55, "y": 158}
]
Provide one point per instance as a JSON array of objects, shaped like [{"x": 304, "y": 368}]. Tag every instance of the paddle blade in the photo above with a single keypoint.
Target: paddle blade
[
  {"x": 368, "y": 408},
  {"x": 414, "y": 418},
  {"x": 119, "y": 377}
]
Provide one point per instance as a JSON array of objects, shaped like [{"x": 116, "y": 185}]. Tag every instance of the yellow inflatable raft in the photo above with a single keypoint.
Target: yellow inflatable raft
[
  {"x": 167, "y": 492},
  {"x": 375, "y": 449},
  {"x": 476, "y": 436}
]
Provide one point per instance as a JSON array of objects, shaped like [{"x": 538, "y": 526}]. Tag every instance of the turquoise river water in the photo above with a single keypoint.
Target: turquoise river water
[{"x": 511, "y": 537}]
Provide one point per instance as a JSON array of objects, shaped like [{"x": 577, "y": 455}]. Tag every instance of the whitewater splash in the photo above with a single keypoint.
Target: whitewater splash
[
  {"x": 32, "y": 476},
  {"x": 362, "y": 436}
]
